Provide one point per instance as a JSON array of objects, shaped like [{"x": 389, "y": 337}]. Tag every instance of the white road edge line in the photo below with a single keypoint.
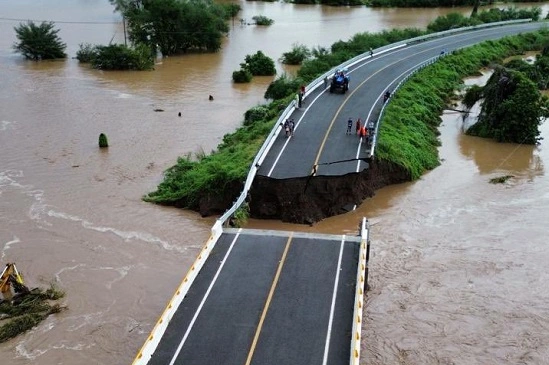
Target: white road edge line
[
  {"x": 332, "y": 309},
  {"x": 372, "y": 108},
  {"x": 204, "y": 299},
  {"x": 295, "y": 127}
]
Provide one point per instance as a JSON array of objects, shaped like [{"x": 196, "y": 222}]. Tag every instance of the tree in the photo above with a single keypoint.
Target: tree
[
  {"x": 259, "y": 64},
  {"x": 512, "y": 108},
  {"x": 176, "y": 26},
  {"x": 39, "y": 42}
]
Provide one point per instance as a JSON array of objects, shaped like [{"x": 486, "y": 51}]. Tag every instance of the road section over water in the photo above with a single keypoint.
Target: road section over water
[
  {"x": 320, "y": 142},
  {"x": 270, "y": 298}
]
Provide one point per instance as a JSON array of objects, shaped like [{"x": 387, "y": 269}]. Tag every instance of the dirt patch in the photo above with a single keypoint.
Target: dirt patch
[{"x": 306, "y": 200}]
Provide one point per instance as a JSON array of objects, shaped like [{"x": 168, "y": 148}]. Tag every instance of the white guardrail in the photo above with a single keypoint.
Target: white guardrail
[
  {"x": 148, "y": 348},
  {"x": 318, "y": 82}
]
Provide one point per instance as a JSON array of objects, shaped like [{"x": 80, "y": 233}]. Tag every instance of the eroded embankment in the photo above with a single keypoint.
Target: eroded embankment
[{"x": 307, "y": 200}]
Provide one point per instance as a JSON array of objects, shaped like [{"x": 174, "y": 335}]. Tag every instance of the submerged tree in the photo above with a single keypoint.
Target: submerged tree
[
  {"x": 39, "y": 42},
  {"x": 511, "y": 110},
  {"x": 176, "y": 26}
]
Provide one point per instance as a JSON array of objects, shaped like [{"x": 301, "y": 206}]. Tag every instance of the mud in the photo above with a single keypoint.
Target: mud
[{"x": 307, "y": 200}]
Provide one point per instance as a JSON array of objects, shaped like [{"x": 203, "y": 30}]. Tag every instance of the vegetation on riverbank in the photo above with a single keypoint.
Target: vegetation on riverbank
[
  {"x": 512, "y": 106},
  {"x": 414, "y": 147},
  {"x": 408, "y": 130}
]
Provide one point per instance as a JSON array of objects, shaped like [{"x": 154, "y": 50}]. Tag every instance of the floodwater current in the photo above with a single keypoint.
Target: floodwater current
[{"x": 457, "y": 268}]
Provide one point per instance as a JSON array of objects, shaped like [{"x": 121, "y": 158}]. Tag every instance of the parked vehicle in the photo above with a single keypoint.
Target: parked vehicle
[{"x": 340, "y": 81}]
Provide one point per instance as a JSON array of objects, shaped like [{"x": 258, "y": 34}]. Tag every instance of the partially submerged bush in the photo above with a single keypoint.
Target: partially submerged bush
[
  {"x": 297, "y": 55},
  {"x": 500, "y": 179},
  {"x": 39, "y": 42},
  {"x": 103, "y": 142},
  {"x": 259, "y": 64},
  {"x": 86, "y": 53},
  {"x": 262, "y": 20},
  {"x": 242, "y": 76},
  {"x": 121, "y": 57}
]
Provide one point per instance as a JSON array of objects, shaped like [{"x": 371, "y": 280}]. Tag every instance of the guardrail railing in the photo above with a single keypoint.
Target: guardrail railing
[{"x": 269, "y": 141}]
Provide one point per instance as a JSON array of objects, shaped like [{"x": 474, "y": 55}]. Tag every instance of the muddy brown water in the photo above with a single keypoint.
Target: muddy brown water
[{"x": 457, "y": 267}]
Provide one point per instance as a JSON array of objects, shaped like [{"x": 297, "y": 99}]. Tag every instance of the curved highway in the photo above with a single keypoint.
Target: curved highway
[{"x": 320, "y": 141}]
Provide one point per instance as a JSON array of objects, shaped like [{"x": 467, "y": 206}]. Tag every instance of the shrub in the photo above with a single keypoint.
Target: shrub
[
  {"x": 297, "y": 55},
  {"x": 262, "y": 20},
  {"x": 473, "y": 94},
  {"x": 103, "y": 141},
  {"x": 121, "y": 57},
  {"x": 259, "y": 64},
  {"x": 255, "y": 114},
  {"x": 39, "y": 42},
  {"x": 242, "y": 76},
  {"x": 282, "y": 87},
  {"x": 86, "y": 53}
]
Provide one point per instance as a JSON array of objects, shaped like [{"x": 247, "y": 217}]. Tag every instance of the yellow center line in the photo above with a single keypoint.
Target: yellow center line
[
  {"x": 321, "y": 148},
  {"x": 268, "y": 301}
]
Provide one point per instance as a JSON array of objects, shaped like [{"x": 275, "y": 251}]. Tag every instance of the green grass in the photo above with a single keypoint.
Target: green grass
[
  {"x": 408, "y": 130},
  {"x": 408, "y": 133}
]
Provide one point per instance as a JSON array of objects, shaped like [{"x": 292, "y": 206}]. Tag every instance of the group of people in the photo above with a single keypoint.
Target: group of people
[
  {"x": 363, "y": 131},
  {"x": 289, "y": 126}
]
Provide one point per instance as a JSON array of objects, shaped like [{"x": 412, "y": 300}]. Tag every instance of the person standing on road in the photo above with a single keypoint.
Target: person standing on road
[
  {"x": 358, "y": 125},
  {"x": 292, "y": 126},
  {"x": 349, "y": 126},
  {"x": 363, "y": 134}
]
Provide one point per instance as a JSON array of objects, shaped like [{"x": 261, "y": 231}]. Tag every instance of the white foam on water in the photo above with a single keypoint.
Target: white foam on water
[
  {"x": 58, "y": 273},
  {"x": 8, "y": 179},
  {"x": 7, "y": 245},
  {"x": 124, "y": 96},
  {"x": 21, "y": 351},
  {"x": 4, "y": 124},
  {"x": 126, "y": 235}
]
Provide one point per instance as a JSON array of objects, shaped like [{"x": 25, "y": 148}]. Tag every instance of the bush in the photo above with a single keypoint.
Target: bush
[
  {"x": 282, "y": 87},
  {"x": 86, "y": 53},
  {"x": 255, "y": 114},
  {"x": 473, "y": 94},
  {"x": 259, "y": 65},
  {"x": 297, "y": 55},
  {"x": 39, "y": 42},
  {"x": 121, "y": 57},
  {"x": 262, "y": 20},
  {"x": 450, "y": 21},
  {"x": 103, "y": 142},
  {"x": 242, "y": 76}
]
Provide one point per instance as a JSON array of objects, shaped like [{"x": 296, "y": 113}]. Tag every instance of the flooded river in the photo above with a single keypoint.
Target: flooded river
[{"x": 457, "y": 263}]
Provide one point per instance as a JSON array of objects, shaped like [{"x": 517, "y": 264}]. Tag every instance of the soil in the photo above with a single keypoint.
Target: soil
[{"x": 306, "y": 200}]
